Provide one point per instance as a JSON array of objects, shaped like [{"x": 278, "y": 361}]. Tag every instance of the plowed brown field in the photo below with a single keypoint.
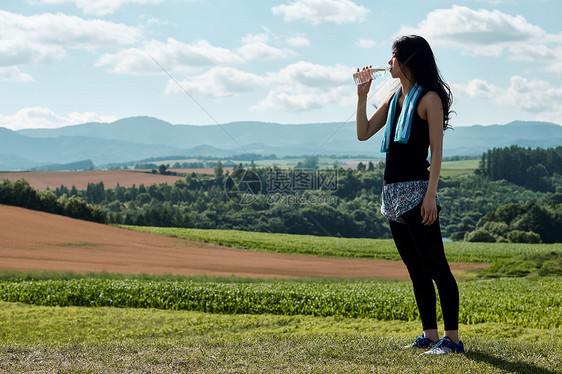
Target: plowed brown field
[
  {"x": 80, "y": 179},
  {"x": 31, "y": 240}
]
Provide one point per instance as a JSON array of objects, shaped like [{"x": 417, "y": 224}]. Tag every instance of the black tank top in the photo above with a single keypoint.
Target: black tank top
[{"x": 408, "y": 162}]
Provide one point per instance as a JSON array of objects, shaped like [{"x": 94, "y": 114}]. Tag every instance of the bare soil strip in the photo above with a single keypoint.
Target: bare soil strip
[
  {"x": 80, "y": 179},
  {"x": 31, "y": 240}
]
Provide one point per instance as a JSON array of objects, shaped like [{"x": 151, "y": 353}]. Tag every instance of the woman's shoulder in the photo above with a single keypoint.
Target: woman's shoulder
[
  {"x": 430, "y": 99},
  {"x": 430, "y": 96}
]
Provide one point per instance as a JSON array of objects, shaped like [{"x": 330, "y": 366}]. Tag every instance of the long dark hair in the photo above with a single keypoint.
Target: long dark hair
[{"x": 414, "y": 52}]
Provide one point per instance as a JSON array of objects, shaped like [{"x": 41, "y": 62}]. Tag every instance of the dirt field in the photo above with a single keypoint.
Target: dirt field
[
  {"x": 40, "y": 241},
  {"x": 31, "y": 240},
  {"x": 126, "y": 178}
]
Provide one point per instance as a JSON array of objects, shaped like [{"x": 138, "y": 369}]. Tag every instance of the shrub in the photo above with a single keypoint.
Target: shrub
[
  {"x": 496, "y": 228},
  {"x": 518, "y": 236},
  {"x": 480, "y": 235}
]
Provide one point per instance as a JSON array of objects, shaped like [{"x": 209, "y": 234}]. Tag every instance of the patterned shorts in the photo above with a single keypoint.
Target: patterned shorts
[{"x": 400, "y": 197}]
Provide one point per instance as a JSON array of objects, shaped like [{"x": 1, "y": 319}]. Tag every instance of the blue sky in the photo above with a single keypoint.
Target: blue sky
[{"x": 65, "y": 62}]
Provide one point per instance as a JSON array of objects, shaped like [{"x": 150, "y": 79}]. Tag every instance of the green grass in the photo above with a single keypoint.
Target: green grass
[
  {"x": 542, "y": 264},
  {"x": 458, "y": 168},
  {"x": 109, "y": 340},
  {"x": 382, "y": 249},
  {"x": 455, "y": 173},
  {"x": 245, "y": 326},
  {"x": 38, "y": 275},
  {"x": 510, "y": 301},
  {"x": 461, "y": 164}
]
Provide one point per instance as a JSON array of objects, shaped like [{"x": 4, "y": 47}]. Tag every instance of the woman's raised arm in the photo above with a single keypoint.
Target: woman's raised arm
[{"x": 369, "y": 127}]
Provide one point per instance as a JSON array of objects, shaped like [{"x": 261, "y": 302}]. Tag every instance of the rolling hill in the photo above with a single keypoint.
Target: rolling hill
[
  {"x": 138, "y": 138},
  {"x": 59, "y": 243}
]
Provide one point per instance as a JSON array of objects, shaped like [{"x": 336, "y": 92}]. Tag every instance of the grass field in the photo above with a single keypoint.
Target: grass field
[
  {"x": 459, "y": 168},
  {"x": 108, "y": 340},
  {"x": 509, "y": 301},
  {"x": 461, "y": 164},
  {"x": 108, "y": 323},
  {"x": 508, "y": 325},
  {"x": 381, "y": 249}
]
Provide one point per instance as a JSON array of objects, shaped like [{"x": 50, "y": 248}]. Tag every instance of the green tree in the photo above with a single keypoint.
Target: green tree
[
  {"x": 509, "y": 212},
  {"x": 219, "y": 172},
  {"x": 518, "y": 236},
  {"x": 480, "y": 235},
  {"x": 310, "y": 162},
  {"x": 361, "y": 166}
]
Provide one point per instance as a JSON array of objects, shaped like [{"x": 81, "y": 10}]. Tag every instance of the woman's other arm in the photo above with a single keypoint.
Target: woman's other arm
[{"x": 431, "y": 109}]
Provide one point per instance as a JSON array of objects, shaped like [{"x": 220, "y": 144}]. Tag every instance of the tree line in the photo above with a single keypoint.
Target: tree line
[
  {"x": 202, "y": 201},
  {"x": 334, "y": 202},
  {"x": 20, "y": 193},
  {"x": 537, "y": 169},
  {"x": 535, "y": 222}
]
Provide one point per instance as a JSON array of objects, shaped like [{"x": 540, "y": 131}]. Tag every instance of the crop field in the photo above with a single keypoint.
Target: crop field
[
  {"x": 126, "y": 178},
  {"x": 461, "y": 164},
  {"x": 105, "y": 325},
  {"x": 42, "y": 180},
  {"x": 382, "y": 249},
  {"x": 510, "y": 301},
  {"x": 458, "y": 168},
  {"x": 52, "y": 322}
]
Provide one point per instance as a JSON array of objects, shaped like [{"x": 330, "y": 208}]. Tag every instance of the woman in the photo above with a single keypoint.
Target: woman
[{"x": 415, "y": 117}]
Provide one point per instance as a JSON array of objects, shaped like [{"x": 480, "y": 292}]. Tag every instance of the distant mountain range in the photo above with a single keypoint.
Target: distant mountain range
[{"x": 139, "y": 138}]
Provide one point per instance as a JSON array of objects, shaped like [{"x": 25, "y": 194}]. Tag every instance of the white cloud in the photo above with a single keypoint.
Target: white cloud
[
  {"x": 296, "y": 87},
  {"x": 322, "y": 11},
  {"x": 301, "y": 99},
  {"x": 217, "y": 82},
  {"x": 366, "y": 43},
  {"x": 531, "y": 95},
  {"x": 46, "y": 37},
  {"x": 13, "y": 74},
  {"x": 490, "y": 33},
  {"x": 298, "y": 41},
  {"x": 304, "y": 86},
  {"x": 466, "y": 28},
  {"x": 99, "y": 7},
  {"x": 174, "y": 56},
  {"x": 312, "y": 75},
  {"x": 497, "y": 2},
  {"x": 256, "y": 47},
  {"x": 476, "y": 88},
  {"x": 39, "y": 117}
]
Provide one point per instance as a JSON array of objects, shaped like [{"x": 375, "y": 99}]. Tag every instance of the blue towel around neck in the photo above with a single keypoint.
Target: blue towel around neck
[{"x": 404, "y": 124}]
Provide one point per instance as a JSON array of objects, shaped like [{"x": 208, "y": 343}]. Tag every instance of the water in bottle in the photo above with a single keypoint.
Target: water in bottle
[{"x": 362, "y": 76}]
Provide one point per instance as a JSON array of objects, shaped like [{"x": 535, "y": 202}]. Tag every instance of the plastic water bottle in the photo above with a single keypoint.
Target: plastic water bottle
[{"x": 362, "y": 76}]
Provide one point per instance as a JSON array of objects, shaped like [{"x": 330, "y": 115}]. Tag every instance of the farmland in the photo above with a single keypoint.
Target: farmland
[
  {"x": 117, "y": 300},
  {"x": 382, "y": 249},
  {"x": 59, "y": 243},
  {"x": 272, "y": 326},
  {"x": 106, "y": 322},
  {"x": 508, "y": 301},
  {"x": 42, "y": 180}
]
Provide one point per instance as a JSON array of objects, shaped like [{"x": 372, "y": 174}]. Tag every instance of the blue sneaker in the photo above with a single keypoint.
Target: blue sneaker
[
  {"x": 420, "y": 342},
  {"x": 445, "y": 346}
]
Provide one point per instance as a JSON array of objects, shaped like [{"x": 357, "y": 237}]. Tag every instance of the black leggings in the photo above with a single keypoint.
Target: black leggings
[{"x": 421, "y": 249}]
